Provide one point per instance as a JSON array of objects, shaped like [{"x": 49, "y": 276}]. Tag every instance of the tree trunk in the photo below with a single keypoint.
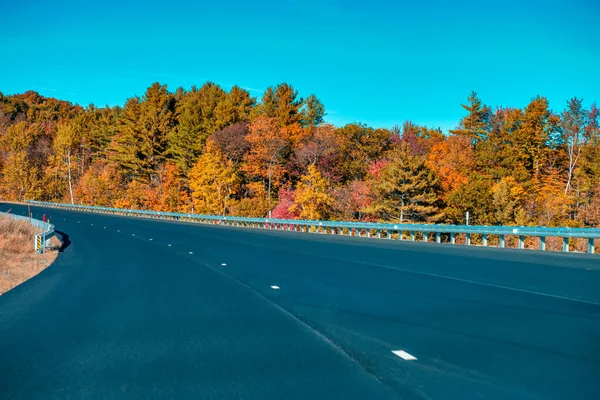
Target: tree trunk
[{"x": 70, "y": 179}]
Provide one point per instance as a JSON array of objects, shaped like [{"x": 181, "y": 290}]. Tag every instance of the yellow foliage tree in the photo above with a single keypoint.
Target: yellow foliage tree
[
  {"x": 311, "y": 200},
  {"x": 213, "y": 181}
]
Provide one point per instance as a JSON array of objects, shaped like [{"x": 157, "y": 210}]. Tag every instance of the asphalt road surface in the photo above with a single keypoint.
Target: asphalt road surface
[{"x": 148, "y": 309}]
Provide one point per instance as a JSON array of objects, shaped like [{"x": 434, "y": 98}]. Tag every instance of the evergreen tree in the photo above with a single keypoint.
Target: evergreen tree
[
  {"x": 404, "y": 189},
  {"x": 313, "y": 112},
  {"x": 476, "y": 124}
]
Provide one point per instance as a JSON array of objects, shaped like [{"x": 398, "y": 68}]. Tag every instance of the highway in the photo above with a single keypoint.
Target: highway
[{"x": 148, "y": 309}]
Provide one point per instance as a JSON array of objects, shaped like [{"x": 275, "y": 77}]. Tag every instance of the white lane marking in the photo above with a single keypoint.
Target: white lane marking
[
  {"x": 118, "y": 230},
  {"x": 223, "y": 265},
  {"x": 275, "y": 287},
  {"x": 191, "y": 252},
  {"x": 91, "y": 224},
  {"x": 104, "y": 227},
  {"x": 169, "y": 245},
  {"x": 150, "y": 238},
  {"x": 404, "y": 355},
  {"x": 133, "y": 234}
]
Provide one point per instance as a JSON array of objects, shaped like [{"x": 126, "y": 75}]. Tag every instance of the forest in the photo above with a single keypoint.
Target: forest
[{"x": 212, "y": 151}]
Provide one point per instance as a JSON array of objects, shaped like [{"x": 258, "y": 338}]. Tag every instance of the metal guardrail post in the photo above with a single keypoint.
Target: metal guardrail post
[
  {"x": 468, "y": 239},
  {"x": 521, "y": 241},
  {"x": 591, "y": 245},
  {"x": 565, "y": 245},
  {"x": 438, "y": 237},
  {"x": 502, "y": 241},
  {"x": 412, "y": 236},
  {"x": 542, "y": 243},
  {"x": 484, "y": 240},
  {"x": 452, "y": 238},
  {"x": 425, "y": 236}
]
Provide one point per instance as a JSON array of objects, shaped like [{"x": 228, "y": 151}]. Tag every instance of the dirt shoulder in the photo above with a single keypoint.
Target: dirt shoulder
[{"x": 18, "y": 262}]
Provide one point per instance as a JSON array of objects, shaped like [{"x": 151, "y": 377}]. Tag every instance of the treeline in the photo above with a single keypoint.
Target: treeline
[{"x": 213, "y": 151}]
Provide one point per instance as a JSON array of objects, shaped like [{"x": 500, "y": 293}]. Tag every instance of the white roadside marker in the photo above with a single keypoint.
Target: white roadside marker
[
  {"x": 275, "y": 287},
  {"x": 404, "y": 355}
]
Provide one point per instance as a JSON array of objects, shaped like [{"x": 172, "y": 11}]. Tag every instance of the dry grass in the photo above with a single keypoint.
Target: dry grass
[{"x": 18, "y": 262}]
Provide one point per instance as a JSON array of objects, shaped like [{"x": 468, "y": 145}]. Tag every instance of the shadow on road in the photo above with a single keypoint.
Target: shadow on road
[{"x": 64, "y": 239}]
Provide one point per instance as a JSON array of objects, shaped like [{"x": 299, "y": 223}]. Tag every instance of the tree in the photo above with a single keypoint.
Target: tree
[
  {"x": 101, "y": 185},
  {"x": 234, "y": 108},
  {"x": 66, "y": 144},
  {"x": 313, "y": 112},
  {"x": 311, "y": 199},
  {"x": 232, "y": 141},
  {"x": 535, "y": 138},
  {"x": 268, "y": 147},
  {"x": 321, "y": 149},
  {"x": 475, "y": 197},
  {"x": 186, "y": 139},
  {"x": 476, "y": 124},
  {"x": 173, "y": 192},
  {"x": 281, "y": 103},
  {"x": 572, "y": 123},
  {"x": 453, "y": 161},
  {"x": 360, "y": 145},
  {"x": 285, "y": 208},
  {"x": 351, "y": 200},
  {"x": 20, "y": 180},
  {"x": 404, "y": 189},
  {"x": 213, "y": 181},
  {"x": 506, "y": 198},
  {"x": 141, "y": 142}
]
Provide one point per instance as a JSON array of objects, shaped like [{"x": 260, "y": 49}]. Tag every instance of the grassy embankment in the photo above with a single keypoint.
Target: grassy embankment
[{"x": 18, "y": 262}]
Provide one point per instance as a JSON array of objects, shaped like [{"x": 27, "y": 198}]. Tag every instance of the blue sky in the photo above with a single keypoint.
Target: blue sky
[{"x": 378, "y": 62}]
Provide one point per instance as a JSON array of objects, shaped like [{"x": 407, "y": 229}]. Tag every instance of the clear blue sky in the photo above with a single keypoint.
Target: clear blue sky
[{"x": 378, "y": 62}]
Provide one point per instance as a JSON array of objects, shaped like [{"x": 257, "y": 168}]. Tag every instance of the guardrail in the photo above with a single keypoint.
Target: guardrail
[
  {"x": 438, "y": 232},
  {"x": 40, "y": 241}
]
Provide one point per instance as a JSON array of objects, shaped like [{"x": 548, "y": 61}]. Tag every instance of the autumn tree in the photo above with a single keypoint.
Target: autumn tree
[
  {"x": 172, "y": 190},
  {"x": 232, "y": 141},
  {"x": 321, "y": 148},
  {"x": 572, "y": 124},
  {"x": 453, "y": 160},
  {"x": 213, "y": 181},
  {"x": 507, "y": 195},
  {"x": 351, "y": 200},
  {"x": 311, "y": 199},
  {"x": 536, "y": 136},
  {"x": 66, "y": 145},
  {"x": 268, "y": 148},
  {"x": 475, "y": 197},
  {"x": 360, "y": 145},
  {"x": 101, "y": 185}
]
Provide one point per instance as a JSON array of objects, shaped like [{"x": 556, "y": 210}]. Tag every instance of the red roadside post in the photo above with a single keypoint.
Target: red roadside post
[{"x": 44, "y": 217}]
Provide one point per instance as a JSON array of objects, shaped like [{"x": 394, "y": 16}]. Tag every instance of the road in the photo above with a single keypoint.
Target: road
[{"x": 149, "y": 309}]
